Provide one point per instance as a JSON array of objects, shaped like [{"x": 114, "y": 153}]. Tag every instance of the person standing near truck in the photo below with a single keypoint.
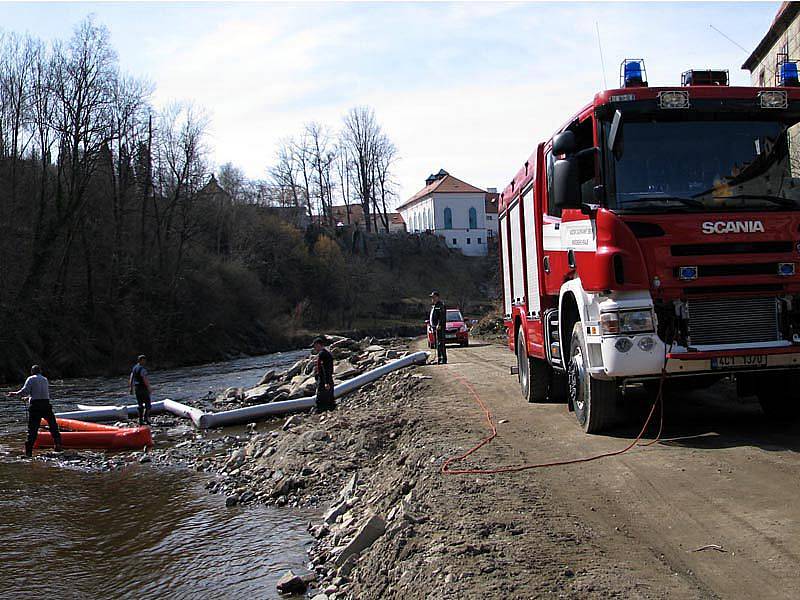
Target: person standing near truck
[
  {"x": 37, "y": 388},
  {"x": 139, "y": 383},
  {"x": 324, "y": 373},
  {"x": 438, "y": 321}
]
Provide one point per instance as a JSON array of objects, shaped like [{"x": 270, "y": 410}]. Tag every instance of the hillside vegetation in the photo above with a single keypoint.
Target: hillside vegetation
[{"x": 114, "y": 243}]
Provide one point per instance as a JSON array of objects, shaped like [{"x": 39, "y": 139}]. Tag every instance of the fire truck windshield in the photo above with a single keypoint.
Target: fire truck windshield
[{"x": 661, "y": 166}]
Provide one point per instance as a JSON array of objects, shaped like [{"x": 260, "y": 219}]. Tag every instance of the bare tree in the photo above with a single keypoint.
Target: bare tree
[
  {"x": 344, "y": 171},
  {"x": 284, "y": 174},
  {"x": 385, "y": 156},
  {"x": 359, "y": 138},
  {"x": 321, "y": 153}
]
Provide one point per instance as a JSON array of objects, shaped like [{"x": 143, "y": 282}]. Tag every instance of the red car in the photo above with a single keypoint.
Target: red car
[{"x": 457, "y": 331}]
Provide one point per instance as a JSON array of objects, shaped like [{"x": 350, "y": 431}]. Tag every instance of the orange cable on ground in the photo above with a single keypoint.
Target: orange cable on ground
[{"x": 446, "y": 470}]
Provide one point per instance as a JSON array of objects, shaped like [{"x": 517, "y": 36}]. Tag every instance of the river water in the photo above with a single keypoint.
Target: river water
[{"x": 144, "y": 531}]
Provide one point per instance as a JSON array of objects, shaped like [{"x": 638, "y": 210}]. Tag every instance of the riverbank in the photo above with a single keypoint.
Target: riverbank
[
  {"x": 389, "y": 524},
  {"x": 394, "y": 527}
]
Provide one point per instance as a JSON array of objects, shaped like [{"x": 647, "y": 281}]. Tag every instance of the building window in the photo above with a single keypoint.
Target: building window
[
  {"x": 488, "y": 217},
  {"x": 473, "y": 218},
  {"x": 469, "y": 241},
  {"x": 762, "y": 77},
  {"x": 479, "y": 241},
  {"x": 448, "y": 218},
  {"x": 455, "y": 243}
]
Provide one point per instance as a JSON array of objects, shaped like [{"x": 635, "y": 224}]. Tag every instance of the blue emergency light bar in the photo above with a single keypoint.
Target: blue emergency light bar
[
  {"x": 789, "y": 75},
  {"x": 632, "y": 73}
]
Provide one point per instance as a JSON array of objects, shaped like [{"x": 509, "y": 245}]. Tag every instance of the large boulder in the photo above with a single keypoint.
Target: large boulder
[
  {"x": 295, "y": 369},
  {"x": 369, "y": 532},
  {"x": 345, "y": 370},
  {"x": 268, "y": 377},
  {"x": 260, "y": 393},
  {"x": 296, "y": 581}
]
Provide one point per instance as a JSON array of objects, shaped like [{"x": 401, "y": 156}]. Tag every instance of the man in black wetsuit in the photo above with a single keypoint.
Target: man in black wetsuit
[
  {"x": 438, "y": 321},
  {"x": 37, "y": 388},
  {"x": 324, "y": 373},
  {"x": 140, "y": 383}
]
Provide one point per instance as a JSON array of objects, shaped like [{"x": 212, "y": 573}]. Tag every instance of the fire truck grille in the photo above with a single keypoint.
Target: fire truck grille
[{"x": 733, "y": 321}]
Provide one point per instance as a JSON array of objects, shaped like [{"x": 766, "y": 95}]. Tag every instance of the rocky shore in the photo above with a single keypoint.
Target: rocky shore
[{"x": 388, "y": 523}]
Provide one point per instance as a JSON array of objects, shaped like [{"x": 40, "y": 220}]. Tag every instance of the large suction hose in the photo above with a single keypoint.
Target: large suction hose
[{"x": 203, "y": 420}]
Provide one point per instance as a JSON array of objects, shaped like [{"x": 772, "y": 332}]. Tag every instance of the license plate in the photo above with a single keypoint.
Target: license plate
[
  {"x": 451, "y": 336},
  {"x": 739, "y": 362}
]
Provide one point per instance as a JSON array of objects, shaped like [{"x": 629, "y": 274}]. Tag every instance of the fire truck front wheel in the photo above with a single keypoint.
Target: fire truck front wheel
[
  {"x": 594, "y": 400},
  {"x": 534, "y": 373}
]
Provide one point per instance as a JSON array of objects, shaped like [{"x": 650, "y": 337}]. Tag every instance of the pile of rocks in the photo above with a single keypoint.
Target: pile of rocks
[
  {"x": 306, "y": 460},
  {"x": 351, "y": 358},
  {"x": 377, "y": 507}
]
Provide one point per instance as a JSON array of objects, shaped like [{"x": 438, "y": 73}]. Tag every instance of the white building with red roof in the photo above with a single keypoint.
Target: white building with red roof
[{"x": 452, "y": 209}]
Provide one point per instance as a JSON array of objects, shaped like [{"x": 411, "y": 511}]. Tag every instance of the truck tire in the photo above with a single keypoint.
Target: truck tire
[
  {"x": 594, "y": 400},
  {"x": 779, "y": 396},
  {"x": 534, "y": 373}
]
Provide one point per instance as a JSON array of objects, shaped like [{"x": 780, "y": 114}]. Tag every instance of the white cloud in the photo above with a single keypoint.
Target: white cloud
[{"x": 471, "y": 87}]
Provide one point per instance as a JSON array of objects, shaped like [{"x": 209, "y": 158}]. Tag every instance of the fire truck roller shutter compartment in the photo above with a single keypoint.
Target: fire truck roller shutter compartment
[
  {"x": 517, "y": 268},
  {"x": 532, "y": 252},
  {"x": 505, "y": 247}
]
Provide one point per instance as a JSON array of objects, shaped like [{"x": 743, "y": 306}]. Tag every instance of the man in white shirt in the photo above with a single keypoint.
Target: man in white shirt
[{"x": 37, "y": 388}]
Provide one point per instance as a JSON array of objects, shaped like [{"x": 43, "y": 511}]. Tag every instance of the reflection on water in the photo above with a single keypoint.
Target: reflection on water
[{"x": 141, "y": 532}]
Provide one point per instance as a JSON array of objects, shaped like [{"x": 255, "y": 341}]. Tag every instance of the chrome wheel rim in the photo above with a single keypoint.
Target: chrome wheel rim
[
  {"x": 522, "y": 362},
  {"x": 577, "y": 376}
]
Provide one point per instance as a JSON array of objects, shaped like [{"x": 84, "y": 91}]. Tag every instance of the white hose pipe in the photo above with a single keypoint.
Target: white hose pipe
[
  {"x": 133, "y": 409},
  {"x": 417, "y": 358},
  {"x": 253, "y": 413},
  {"x": 112, "y": 413},
  {"x": 259, "y": 411},
  {"x": 247, "y": 414},
  {"x": 181, "y": 410}
]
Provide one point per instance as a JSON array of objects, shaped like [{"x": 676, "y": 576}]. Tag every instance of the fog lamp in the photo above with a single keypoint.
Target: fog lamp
[
  {"x": 646, "y": 344},
  {"x": 623, "y": 344}
]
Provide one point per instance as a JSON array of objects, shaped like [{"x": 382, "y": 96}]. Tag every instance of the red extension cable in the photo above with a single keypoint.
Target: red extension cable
[{"x": 446, "y": 470}]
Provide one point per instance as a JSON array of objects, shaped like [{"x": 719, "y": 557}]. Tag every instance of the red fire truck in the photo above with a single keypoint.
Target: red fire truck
[{"x": 657, "y": 234}]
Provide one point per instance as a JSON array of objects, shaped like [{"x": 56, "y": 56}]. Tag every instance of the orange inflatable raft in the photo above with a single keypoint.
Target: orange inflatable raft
[{"x": 94, "y": 436}]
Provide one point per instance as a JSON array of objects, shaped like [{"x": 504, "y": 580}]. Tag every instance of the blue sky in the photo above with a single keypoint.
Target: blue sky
[{"x": 469, "y": 87}]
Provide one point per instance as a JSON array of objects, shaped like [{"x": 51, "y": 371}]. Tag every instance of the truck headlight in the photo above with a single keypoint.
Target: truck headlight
[{"x": 625, "y": 322}]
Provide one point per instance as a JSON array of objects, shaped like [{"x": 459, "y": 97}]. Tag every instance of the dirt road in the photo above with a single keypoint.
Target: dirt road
[{"x": 722, "y": 475}]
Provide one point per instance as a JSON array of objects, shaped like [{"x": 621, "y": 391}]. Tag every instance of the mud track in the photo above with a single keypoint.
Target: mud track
[{"x": 724, "y": 479}]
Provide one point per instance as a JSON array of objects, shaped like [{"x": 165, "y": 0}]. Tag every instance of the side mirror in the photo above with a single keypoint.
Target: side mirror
[
  {"x": 565, "y": 183},
  {"x": 564, "y": 143}
]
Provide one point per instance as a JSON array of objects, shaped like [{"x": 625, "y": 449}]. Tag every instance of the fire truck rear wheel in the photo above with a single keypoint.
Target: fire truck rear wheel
[
  {"x": 594, "y": 400},
  {"x": 534, "y": 373}
]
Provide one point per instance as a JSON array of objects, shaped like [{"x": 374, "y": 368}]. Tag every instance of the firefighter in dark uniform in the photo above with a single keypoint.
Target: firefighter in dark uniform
[
  {"x": 438, "y": 321},
  {"x": 324, "y": 374}
]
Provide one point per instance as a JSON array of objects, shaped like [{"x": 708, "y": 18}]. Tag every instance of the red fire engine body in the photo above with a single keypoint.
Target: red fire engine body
[{"x": 656, "y": 235}]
